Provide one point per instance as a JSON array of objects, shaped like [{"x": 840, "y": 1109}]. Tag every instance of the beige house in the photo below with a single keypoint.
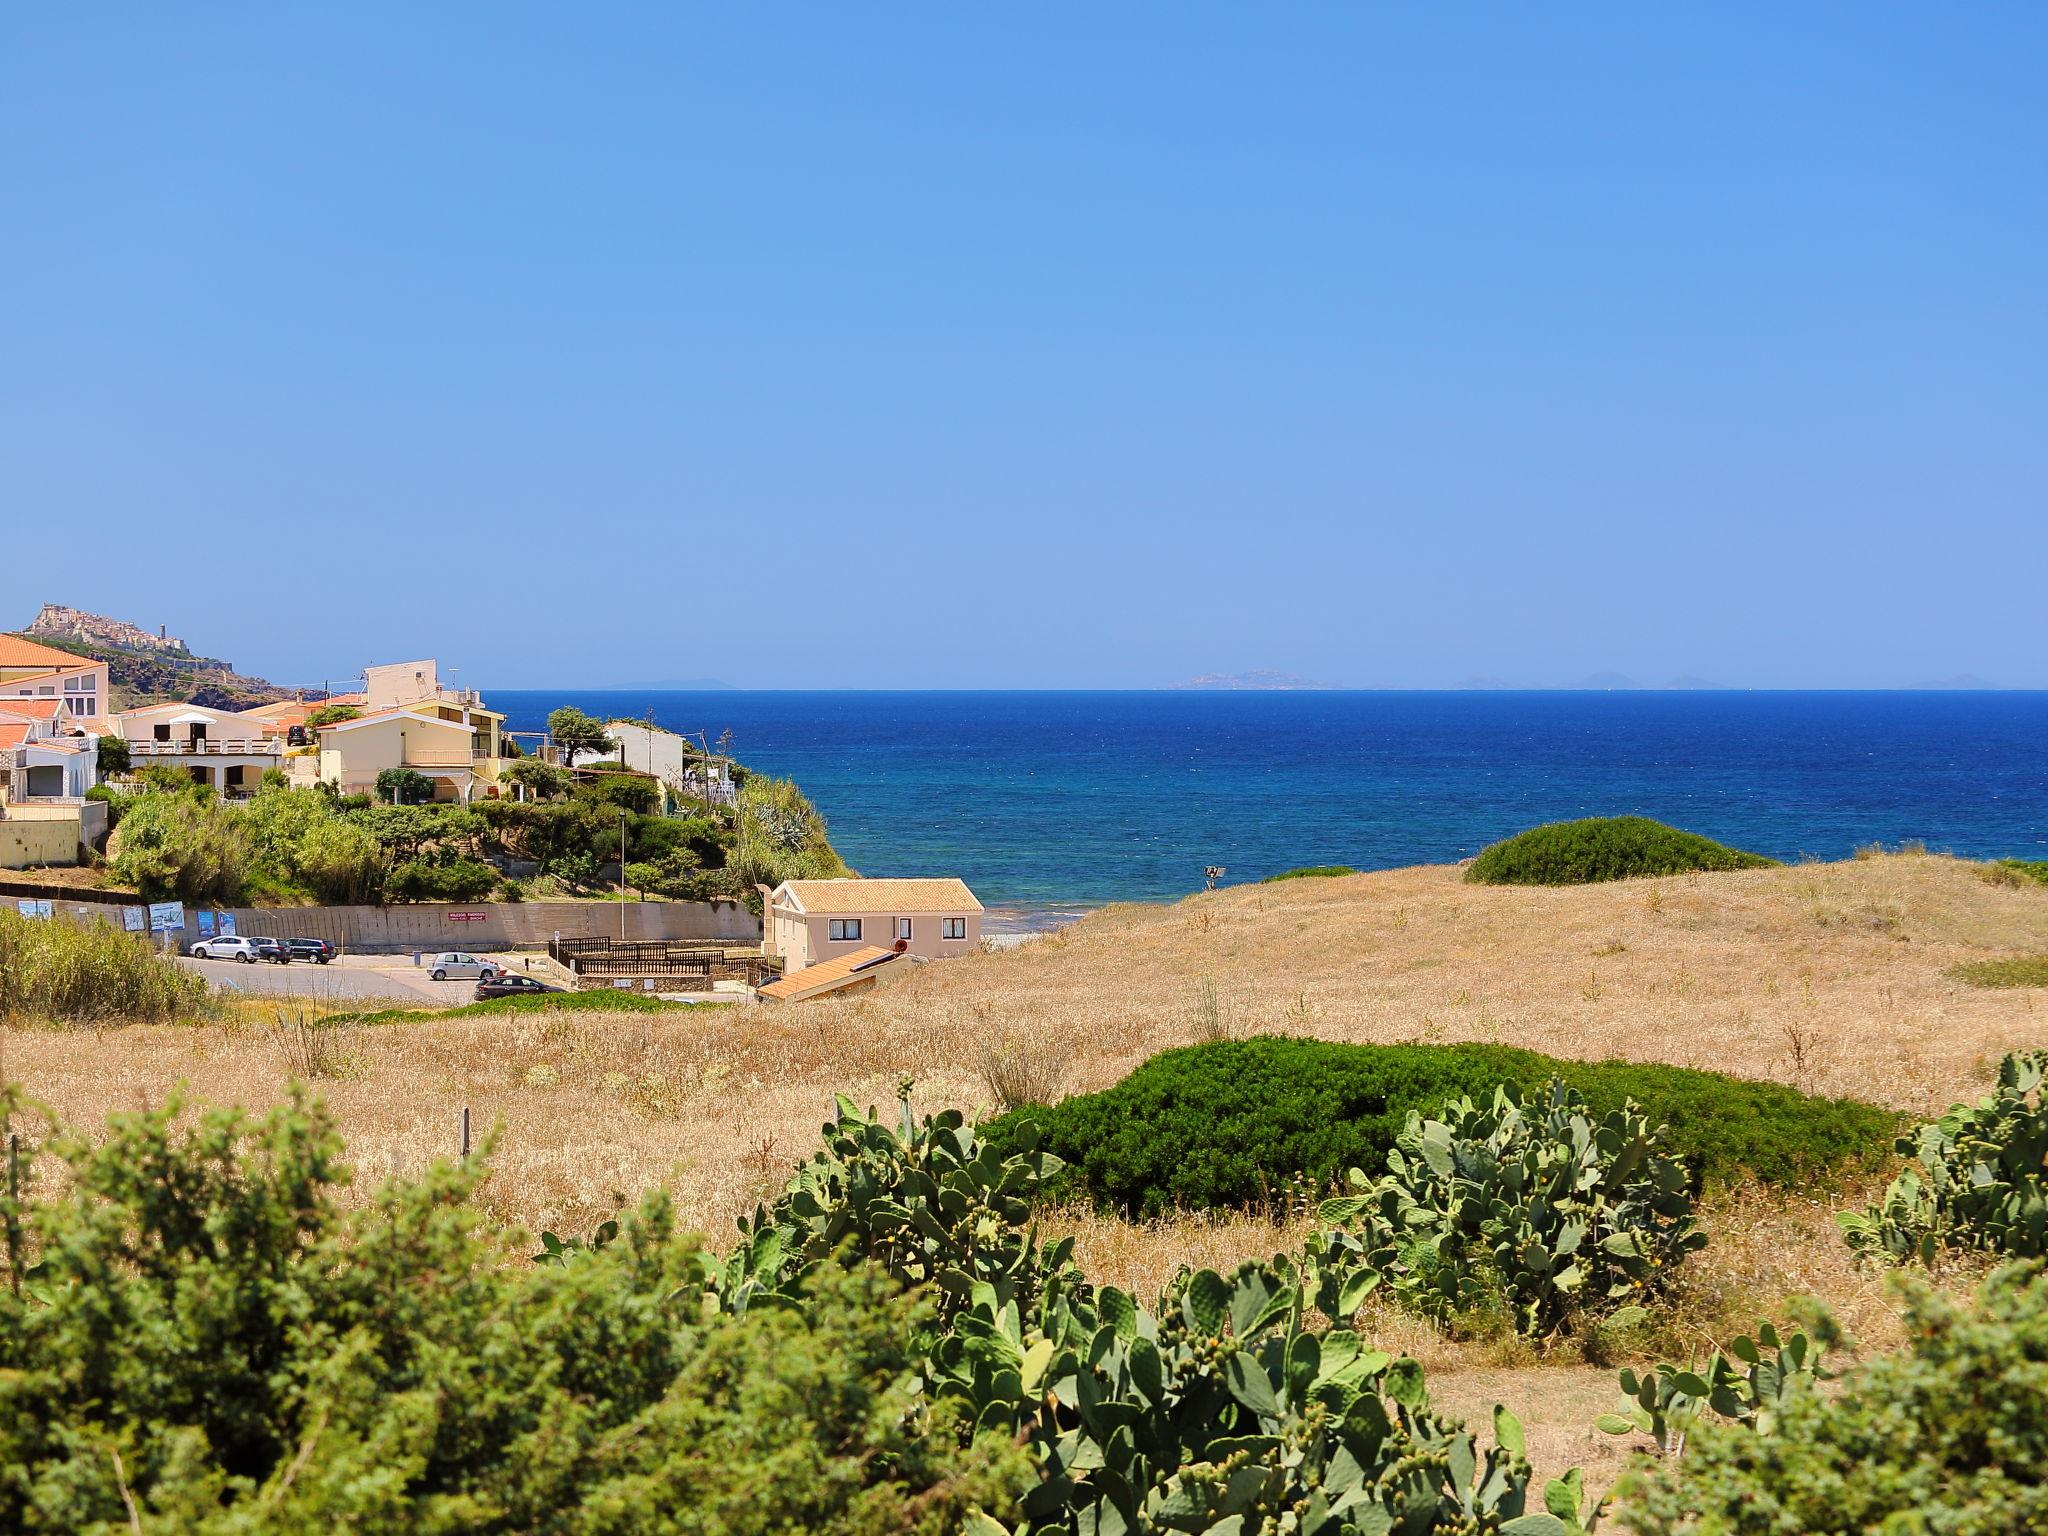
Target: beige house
[
  {"x": 410, "y": 720},
  {"x": 353, "y": 752},
  {"x": 31, "y": 671},
  {"x": 220, "y": 747},
  {"x": 808, "y": 922}
]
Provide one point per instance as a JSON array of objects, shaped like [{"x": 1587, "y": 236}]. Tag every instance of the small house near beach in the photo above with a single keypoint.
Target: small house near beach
[{"x": 807, "y": 922}]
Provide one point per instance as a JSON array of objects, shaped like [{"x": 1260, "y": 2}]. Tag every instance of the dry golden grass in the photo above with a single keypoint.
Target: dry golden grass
[{"x": 1830, "y": 977}]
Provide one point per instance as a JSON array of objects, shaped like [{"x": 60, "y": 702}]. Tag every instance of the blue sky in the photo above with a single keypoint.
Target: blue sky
[{"x": 1070, "y": 346}]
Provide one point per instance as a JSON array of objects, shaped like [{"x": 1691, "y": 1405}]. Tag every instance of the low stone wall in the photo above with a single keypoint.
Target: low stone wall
[{"x": 498, "y": 925}]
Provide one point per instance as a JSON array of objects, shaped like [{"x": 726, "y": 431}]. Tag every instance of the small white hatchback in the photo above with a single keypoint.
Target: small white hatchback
[{"x": 454, "y": 965}]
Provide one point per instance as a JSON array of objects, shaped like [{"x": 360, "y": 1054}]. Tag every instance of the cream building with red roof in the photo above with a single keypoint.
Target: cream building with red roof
[
  {"x": 32, "y": 671},
  {"x": 808, "y": 922}
]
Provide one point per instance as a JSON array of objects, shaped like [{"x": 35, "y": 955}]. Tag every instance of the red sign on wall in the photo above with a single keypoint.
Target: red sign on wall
[{"x": 465, "y": 917}]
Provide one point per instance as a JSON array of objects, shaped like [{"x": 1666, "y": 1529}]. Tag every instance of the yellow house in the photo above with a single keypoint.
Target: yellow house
[
  {"x": 31, "y": 671},
  {"x": 353, "y": 752}
]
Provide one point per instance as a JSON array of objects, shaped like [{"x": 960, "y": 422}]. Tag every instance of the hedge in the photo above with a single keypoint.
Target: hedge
[
  {"x": 1231, "y": 1124},
  {"x": 1603, "y": 848}
]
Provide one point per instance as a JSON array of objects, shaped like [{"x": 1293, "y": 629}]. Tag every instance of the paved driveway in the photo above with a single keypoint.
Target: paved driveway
[{"x": 346, "y": 980}]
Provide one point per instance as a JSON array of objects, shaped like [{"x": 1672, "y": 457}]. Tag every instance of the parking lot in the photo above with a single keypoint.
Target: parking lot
[{"x": 344, "y": 980}]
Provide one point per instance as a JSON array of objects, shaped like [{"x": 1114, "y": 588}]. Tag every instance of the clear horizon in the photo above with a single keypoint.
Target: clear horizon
[{"x": 951, "y": 350}]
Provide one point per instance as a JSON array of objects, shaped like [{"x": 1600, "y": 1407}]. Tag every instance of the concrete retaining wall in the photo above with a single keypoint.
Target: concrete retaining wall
[
  {"x": 32, "y": 835},
  {"x": 498, "y": 925}
]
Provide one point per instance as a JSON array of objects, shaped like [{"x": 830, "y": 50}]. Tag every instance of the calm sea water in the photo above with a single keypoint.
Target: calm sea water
[{"x": 1050, "y": 800}]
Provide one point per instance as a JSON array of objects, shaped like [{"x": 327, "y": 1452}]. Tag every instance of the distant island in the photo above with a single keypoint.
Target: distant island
[{"x": 1267, "y": 680}]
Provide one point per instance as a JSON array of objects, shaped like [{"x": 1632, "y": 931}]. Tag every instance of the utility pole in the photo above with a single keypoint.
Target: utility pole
[{"x": 622, "y": 876}]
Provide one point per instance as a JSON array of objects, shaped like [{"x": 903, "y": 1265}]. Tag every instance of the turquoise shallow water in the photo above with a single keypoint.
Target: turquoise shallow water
[{"x": 1046, "y": 801}]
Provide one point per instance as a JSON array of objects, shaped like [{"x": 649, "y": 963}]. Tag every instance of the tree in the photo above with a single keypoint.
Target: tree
[
  {"x": 541, "y": 781},
  {"x": 404, "y": 786},
  {"x": 113, "y": 756},
  {"x": 574, "y": 731},
  {"x": 331, "y": 714}
]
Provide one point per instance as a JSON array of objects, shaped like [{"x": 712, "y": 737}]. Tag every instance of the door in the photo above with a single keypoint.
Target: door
[{"x": 46, "y": 781}]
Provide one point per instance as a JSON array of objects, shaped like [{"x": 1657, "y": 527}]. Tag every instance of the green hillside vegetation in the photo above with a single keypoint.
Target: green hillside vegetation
[
  {"x": 2017, "y": 871},
  {"x": 176, "y": 840},
  {"x": 1603, "y": 848},
  {"x": 139, "y": 678},
  {"x": 1310, "y": 872},
  {"x": 1239, "y": 1123}
]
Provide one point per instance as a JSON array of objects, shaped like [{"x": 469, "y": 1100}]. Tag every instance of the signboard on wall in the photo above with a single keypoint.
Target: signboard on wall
[
  {"x": 32, "y": 907},
  {"x": 134, "y": 919},
  {"x": 205, "y": 924},
  {"x": 166, "y": 916},
  {"x": 465, "y": 917},
  {"x": 224, "y": 923}
]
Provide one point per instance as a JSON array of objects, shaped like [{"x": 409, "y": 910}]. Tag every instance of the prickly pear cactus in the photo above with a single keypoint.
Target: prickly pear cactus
[
  {"x": 1555, "y": 1212},
  {"x": 926, "y": 1199},
  {"x": 1976, "y": 1180},
  {"x": 1748, "y": 1385}
]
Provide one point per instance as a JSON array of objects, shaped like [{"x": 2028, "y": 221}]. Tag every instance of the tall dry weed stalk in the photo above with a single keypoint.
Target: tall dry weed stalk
[
  {"x": 1209, "y": 1020},
  {"x": 311, "y": 1046},
  {"x": 1020, "y": 1068}
]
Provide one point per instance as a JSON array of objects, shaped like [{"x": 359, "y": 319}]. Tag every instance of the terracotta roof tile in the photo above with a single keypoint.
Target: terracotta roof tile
[
  {"x": 17, "y": 652},
  {"x": 825, "y": 976},
  {"x": 821, "y": 897}
]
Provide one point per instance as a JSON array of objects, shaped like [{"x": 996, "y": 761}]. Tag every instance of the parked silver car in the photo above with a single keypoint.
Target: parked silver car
[
  {"x": 228, "y": 946},
  {"x": 454, "y": 965}
]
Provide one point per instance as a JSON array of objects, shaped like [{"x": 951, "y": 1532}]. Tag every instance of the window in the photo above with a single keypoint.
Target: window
[
  {"x": 952, "y": 927},
  {"x": 162, "y": 733},
  {"x": 74, "y": 684},
  {"x": 902, "y": 927},
  {"x": 842, "y": 929}
]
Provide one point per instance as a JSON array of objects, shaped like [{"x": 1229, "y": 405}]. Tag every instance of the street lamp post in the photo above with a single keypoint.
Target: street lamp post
[{"x": 622, "y": 875}]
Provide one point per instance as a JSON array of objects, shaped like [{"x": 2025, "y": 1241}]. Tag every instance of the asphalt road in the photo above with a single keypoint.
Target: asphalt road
[{"x": 348, "y": 978}]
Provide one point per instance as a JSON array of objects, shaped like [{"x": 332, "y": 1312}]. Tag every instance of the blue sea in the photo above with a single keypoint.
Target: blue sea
[{"x": 1053, "y": 802}]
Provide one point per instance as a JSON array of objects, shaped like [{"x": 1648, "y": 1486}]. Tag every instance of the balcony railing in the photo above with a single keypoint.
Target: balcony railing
[{"x": 261, "y": 746}]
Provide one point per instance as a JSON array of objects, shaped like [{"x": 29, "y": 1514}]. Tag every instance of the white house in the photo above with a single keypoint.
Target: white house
[
  {"x": 40, "y": 758},
  {"x": 220, "y": 747},
  {"x": 677, "y": 761}
]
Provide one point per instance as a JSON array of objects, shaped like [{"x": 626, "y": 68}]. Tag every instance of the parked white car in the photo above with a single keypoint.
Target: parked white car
[
  {"x": 454, "y": 965},
  {"x": 228, "y": 946}
]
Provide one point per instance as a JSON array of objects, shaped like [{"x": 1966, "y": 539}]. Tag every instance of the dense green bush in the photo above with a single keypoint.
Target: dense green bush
[
  {"x": 607, "y": 1000},
  {"x": 440, "y": 880},
  {"x": 113, "y": 756},
  {"x": 182, "y": 845},
  {"x": 404, "y": 786},
  {"x": 622, "y": 791},
  {"x": 1310, "y": 872},
  {"x": 59, "y": 973},
  {"x": 1603, "y": 848},
  {"x": 1948, "y": 1437},
  {"x": 1536, "y": 1210},
  {"x": 212, "y": 1339},
  {"x": 1978, "y": 1179},
  {"x": 1235, "y": 1123}
]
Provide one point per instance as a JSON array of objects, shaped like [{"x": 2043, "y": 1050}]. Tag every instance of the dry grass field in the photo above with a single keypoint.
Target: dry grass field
[{"x": 1831, "y": 977}]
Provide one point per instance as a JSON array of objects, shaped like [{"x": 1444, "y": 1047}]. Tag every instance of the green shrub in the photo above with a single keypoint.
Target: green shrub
[
  {"x": 404, "y": 786},
  {"x": 1977, "y": 1178},
  {"x": 606, "y": 1001},
  {"x": 1950, "y": 1436},
  {"x": 622, "y": 791},
  {"x": 2016, "y": 871},
  {"x": 56, "y": 972},
  {"x": 1537, "y": 1208},
  {"x": 1236, "y": 1123},
  {"x": 1310, "y": 872},
  {"x": 436, "y": 880},
  {"x": 113, "y": 757},
  {"x": 182, "y": 845},
  {"x": 1603, "y": 848},
  {"x": 209, "y": 1338},
  {"x": 2020, "y": 971}
]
